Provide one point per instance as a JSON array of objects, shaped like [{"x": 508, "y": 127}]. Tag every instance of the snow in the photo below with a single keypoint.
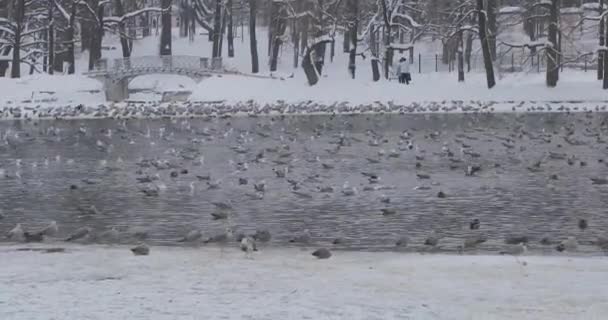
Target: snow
[
  {"x": 187, "y": 283},
  {"x": 507, "y": 10}
]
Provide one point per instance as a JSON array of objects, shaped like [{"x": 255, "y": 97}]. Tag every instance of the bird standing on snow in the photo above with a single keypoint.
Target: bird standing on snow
[{"x": 49, "y": 230}]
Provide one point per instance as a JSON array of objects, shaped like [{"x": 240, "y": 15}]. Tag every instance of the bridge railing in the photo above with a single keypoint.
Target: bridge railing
[{"x": 153, "y": 62}]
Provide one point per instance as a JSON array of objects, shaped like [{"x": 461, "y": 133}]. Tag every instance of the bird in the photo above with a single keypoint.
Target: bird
[
  {"x": 248, "y": 246},
  {"x": 262, "y": 236},
  {"x": 80, "y": 233},
  {"x": 322, "y": 253},
  {"x": 110, "y": 236},
  {"x": 33, "y": 237},
  {"x": 92, "y": 210},
  {"x": 599, "y": 181},
  {"x": 472, "y": 242},
  {"x": 49, "y": 230},
  {"x": 220, "y": 238},
  {"x": 16, "y": 234},
  {"x": 141, "y": 250},
  {"x": 220, "y": 205},
  {"x": 515, "y": 250},
  {"x": 583, "y": 224},
  {"x": 301, "y": 238},
  {"x": 388, "y": 211},
  {"x": 569, "y": 245},
  {"x": 517, "y": 239},
  {"x": 475, "y": 224},
  {"x": 441, "y": 194},
  {"x": 432, "y": 240},
  {"x": 402, "y": 242},
  {"x": 191, "y": 236},
  {"x": 219, "y": 215}
]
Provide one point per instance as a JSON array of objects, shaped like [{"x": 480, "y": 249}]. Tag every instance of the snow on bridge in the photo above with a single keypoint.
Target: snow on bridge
[{"x": 116, "y": 77}]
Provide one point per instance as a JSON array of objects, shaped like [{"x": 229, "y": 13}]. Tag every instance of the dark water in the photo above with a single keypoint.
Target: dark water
[{"x": 40, "y": 161}]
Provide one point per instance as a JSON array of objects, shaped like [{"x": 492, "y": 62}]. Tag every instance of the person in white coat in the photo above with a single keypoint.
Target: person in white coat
[{"x": 403, "y": 71}]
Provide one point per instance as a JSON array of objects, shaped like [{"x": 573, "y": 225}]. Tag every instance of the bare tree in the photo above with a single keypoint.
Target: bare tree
[
  {"x": 553, "y": 52},
  {"x": 165, "y": 36},
  {"x": 485, "y": 46},
  {"x": 255, "y": 67}
]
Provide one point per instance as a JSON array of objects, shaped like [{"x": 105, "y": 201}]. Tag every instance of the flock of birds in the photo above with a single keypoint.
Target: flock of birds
[
  {"x": 150, "y": 109},
  {"x": 280, "y": 161}
]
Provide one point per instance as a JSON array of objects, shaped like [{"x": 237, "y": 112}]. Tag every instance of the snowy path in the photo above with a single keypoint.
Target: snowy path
[{"x": 174, "y": 283}]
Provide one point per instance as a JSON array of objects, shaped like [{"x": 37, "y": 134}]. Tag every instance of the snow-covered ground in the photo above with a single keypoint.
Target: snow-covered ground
[
  {"x": 289, "y": 84},
  {"x": 95, "y": 282}
]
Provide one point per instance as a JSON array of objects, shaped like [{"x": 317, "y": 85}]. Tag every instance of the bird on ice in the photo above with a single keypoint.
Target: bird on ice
[{"x": 569, "y": 245}]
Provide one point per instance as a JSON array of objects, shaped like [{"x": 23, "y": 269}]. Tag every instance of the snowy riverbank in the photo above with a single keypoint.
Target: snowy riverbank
[{"x": 96, "y": 282}]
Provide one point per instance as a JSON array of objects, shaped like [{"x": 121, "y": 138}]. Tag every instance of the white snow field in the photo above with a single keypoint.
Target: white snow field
[
  {"x": 289, "y": 84},
  {"x": 96, "y": 282}
]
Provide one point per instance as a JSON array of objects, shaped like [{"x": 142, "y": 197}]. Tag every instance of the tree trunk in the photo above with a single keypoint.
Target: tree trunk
[
  {"x": 295, "y": 36},
  {"x": 309, "y": 63},
  {"x": 321, "y": 47},
  {"x": 346, "y": 43},
  {"x": 460, "y": 57},
  {"x": 230, "y": 31},
  {"x": 222, "y": 32},
  {"x": 353, "y": 35},
  {"x": 605, "y": 56},
  {"x": 485, "y": 46},
  {"x": 217, "y": 28},
  {"x": 278, "y": 25},
  {"x": 96, "y": 39},
  {"x": 492, "y": 26},
  {"x": 255, "y": 68},
  {"x": 119, "y": 10},
  {"x": 553, "y": 49},
  {"x": 72, "y": 39},
  {"x": 304, "y": 31},
  {"x": 468, "y": 50},
  {"x": 165, "y": 33},
  {"x": 51, "y": 39},
  {"x": 600, "y": 54},
  {"x": 16, "y": 61}
]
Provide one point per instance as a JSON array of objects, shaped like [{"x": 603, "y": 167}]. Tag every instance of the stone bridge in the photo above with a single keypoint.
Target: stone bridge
[{"x": 116, "y": 77}]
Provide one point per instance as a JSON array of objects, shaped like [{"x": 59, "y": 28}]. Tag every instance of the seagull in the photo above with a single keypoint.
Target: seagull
[
  {"x": 141, "y": 250},
  {"x": 262, "y": 235},
  {"x": 33, "y": 237},
  {"x": 111, "y": 235},
  {"x": 515, "y": 250},
  {"x": 432, "y": 240},
  {"x": 475, "y": 224},
  {"x": 569, "y": 244},
  {"x": 79, "y": 234},
  {"x": 388, "y": 211},
  {"x": 219, "y": 215},
  {"x": 49, "y": 230},
  {"x": 191, "y": 236},
  {"x": 248, "y": 246},
  {"x": 16, "y": 233},
  {"x": 301, "y": 238},
  {"x": 220, "y": 238},
  {"x": 322, "y": 253},
  {"x": 402, "y": 242},
  {"x": 583, "y": 224},
  {"x": 472, "y": 242},
  {"x": 516, "y": 239}
]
